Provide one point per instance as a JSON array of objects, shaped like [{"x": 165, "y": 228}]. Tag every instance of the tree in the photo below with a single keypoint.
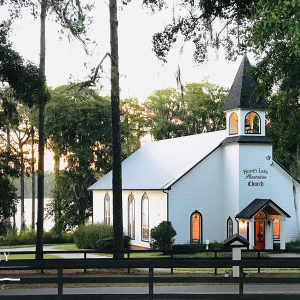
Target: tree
[
  {"x": 133, "y": 121},
  {"x": 205, "y": 23},
  {"x": 15, "y": 122},
  {"x": 78, "y": 127},
  {"x": 116, "y": 133},
  {"x": 284, "y": 130},
  {"x": 197, "y": 110},
  {"x": 274, "y": 38},
  {"x": 162, "y": 236},
  {"x": 71, "y": 16},
  {"x": 8, "y": 199},
  {"x": 163, "y": 108}
]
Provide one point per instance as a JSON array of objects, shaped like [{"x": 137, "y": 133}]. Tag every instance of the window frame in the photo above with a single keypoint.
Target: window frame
[
  {"x": 196, "y": 212},
  {"x": 230, "y": 122},
  {"x": 144, "y": 197},
  {"x": 251, "y": 125},
  {"x": 229, "y": 230},
  {"x": 107, "y": 209},
  {"x": 131, "y": 221}
]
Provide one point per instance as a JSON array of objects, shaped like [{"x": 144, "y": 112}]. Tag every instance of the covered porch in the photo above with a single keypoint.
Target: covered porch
[{"x": 262, "y": 223}]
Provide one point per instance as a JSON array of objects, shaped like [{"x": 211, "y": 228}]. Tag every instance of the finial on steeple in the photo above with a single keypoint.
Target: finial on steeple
[{"x": 241, "y": 90}]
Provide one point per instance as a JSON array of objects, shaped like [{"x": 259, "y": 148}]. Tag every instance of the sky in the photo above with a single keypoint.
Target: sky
[{"x": 140, "y": 71}]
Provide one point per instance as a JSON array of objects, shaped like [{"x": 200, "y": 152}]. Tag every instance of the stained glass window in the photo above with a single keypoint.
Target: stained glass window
[
  {"x": 229, "y": 227},
  {"x": 145, "y": 218},
  {"x": 196, "y": 220},
  {"x": 107, "y": 209},
  {"x": 131, "y": 216}
]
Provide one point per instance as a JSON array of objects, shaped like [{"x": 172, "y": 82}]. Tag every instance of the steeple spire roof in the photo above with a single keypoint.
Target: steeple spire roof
[{"x": 242, "y": 89}]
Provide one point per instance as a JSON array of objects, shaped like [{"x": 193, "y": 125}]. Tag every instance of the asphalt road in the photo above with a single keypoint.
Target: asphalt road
[{"x": 195, "y": 289}]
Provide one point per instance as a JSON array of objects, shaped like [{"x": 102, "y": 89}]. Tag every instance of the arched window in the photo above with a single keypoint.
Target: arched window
[
  {"x": 145, "y": 218},
  {"x": 252, "y": 123},
  {"x": 107, "y": 209},
  {"x": 260, "y": 215},
  {"x": 229, "y": 227},
  {"x": 131, "y": 217},
  {"x": 196, "y": 227},
  {"x": 233, "y": 124}
]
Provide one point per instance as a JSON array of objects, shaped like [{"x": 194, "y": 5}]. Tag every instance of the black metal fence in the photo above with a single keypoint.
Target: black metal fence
[{"x": 151, "y": 278}]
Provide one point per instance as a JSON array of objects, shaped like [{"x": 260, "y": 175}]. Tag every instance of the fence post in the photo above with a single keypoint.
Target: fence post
[
  {"x": 241, "y": 281},
  {"x": 150, "y": 283},
  {"x": 84, "y": 256},
  {"x": 128, "y": 256},
  {"x": 258, "y": 257},
  {"x": 60, "y": 282},
  {"x": 172, "y": 258},
  {"x": 216, "y": 269}
]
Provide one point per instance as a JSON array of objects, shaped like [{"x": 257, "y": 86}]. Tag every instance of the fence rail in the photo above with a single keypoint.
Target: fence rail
[{"x": 151, "y": 278}]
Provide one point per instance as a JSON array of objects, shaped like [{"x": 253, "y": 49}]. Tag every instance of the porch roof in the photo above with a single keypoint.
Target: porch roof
[{"x": 261, "y": 204}]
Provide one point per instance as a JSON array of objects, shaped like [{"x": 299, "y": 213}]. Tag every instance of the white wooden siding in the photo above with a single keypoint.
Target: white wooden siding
[
  {"x": 230, "y": 189},
  {"x": 198, "y": 190},
  {"x": 283, "y": 195},
  {"x": 255, "y": 159}
]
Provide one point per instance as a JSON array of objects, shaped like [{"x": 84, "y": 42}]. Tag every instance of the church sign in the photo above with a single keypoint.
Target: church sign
[{"x": 256, "y": 176}]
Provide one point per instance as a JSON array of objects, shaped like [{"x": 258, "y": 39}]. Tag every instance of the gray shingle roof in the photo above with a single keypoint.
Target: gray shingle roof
[
  {"x": 247, "y": 139},
  {"x": 157, "y": 165},
  {"x": 241, "y": 90},
  {"x": 257, "y": 205}
]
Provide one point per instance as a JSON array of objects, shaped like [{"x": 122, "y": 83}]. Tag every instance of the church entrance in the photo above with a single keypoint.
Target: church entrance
[{"x": 259, "y": 235}]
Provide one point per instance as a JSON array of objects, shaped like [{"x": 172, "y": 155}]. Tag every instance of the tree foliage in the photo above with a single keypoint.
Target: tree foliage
[
  {"x": 24, "y": 77},
  {"x": 78, "y": 127},
  {"x": 284, "y": 130},
  {"x": 197, "y": 110},
  {"x": 274, "y": 36},
  {"x": 133, "y": 128},
  {"x": 206, "y": 23}
]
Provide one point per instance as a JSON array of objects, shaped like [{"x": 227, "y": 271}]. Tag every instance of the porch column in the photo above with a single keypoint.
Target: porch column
[
  {"x": 282, "y": 234},
  {"x": 251, "y": 234}
]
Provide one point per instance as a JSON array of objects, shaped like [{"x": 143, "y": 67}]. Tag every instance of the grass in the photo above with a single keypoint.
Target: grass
[{"x": 69, "y": 248}]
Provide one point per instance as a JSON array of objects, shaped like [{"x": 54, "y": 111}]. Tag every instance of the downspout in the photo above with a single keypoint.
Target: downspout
[{"x": 167, "y": 192}]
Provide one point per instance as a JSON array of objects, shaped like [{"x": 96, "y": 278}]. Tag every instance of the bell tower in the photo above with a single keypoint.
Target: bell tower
[{"x": 243, "y": 117}]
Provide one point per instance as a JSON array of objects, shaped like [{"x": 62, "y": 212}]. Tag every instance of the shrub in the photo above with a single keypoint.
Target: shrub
[
  {"x": 162, "y": 236},
  {"x": 106, "y": 245},
  {"x": 52, "y": 237},
  {"x": 192, "y": 248},
  {"x": 293, "y": 245},
  {"x": 86, "y": 236}
]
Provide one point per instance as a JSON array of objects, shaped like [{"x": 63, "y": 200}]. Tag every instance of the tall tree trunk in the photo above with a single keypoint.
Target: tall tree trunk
[
  {"x": 22, "y": 189},
  {"x": 115, "y": 110},
  {"x": 33, "y": 181},
  {"x": 57, "y": 204},
  {"x": 40, "y": 209}
]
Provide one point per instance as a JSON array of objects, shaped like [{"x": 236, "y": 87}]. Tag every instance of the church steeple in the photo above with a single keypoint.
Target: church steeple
[
  {"x": 242, "y": 89},
  {"x": 244, "y": 117}
]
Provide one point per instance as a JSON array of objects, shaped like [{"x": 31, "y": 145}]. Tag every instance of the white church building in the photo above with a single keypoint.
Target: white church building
[{"x": 211, "y": 185}]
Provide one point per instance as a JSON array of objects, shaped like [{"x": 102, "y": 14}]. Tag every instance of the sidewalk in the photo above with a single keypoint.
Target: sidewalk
[{"x": 52, "y": 248}]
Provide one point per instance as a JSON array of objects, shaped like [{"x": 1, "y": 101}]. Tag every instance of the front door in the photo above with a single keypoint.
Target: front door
[{"x": 260, "y": 234}]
